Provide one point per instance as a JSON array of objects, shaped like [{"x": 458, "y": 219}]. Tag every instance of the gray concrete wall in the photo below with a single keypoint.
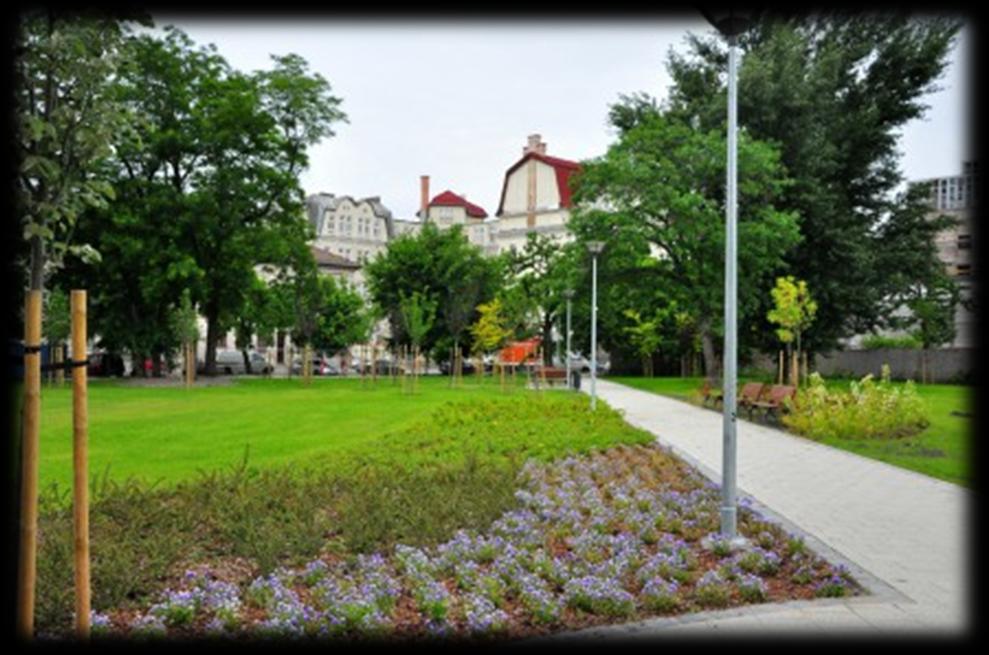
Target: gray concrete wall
[{"x": 944, "y": 365}]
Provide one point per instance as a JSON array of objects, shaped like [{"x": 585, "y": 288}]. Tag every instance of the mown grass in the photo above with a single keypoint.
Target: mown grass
[
  {"x": 366, "y": 469},
  {"x": 943, "y": 450},
  {"x": 169, "y": 434}
]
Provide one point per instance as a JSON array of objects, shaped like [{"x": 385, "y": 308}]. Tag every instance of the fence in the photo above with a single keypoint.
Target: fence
[{"x": 943, "y": 365}]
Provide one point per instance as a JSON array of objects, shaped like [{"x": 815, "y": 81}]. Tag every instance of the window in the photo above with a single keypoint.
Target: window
[
  {"x": 963, "y": 270},
  {"x": 964, "y": 241}
]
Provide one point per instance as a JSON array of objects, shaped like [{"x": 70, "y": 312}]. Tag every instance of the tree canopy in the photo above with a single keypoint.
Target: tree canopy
[
  {"x": 657, "y": 199},
  {"x": 442, "y": 266},
  {"x": 832, "y": 90},
  {"x": 207, "y": 188}
]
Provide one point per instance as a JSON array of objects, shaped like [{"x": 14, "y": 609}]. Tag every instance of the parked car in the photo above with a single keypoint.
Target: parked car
[
  {"x": 467, "y": 367},
  {"x": 105, "y": 364},
  {"x": 231, "y": 362},
  {"x": 320, "y": 366}
]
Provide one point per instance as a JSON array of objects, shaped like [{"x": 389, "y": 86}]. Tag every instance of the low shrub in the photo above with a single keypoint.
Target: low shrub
[
  {"x": 879, "y": 342},
  {"x": 870, "y": 409}
]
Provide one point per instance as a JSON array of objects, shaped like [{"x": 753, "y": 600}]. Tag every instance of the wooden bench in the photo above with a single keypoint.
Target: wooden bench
[
  {"x": 551, "y": 374},
  {"x": 750, "y": 394},
  {"x": 775, "y": 401},
  {"x": 710, "y": 391}
]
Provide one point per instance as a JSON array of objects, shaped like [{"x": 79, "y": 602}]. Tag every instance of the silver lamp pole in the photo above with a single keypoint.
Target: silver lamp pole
[
  {"x": 568, "y": 294},
  {"x": 730, "y": 23},
  {"x": 728, "y": 506},
  {"x": 595, "y": 247}
]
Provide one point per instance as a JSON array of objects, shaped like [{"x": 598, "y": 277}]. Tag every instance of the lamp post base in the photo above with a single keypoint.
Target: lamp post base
[{"x": 716, "y": 540}]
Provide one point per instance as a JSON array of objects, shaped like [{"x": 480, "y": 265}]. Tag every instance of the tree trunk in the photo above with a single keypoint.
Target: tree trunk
[
  {"x": 211, "y": 336},
  {"x": 247, "y": 360},
  {"x": 712, "y": 368},
  {"x": 548, "y": 340}
]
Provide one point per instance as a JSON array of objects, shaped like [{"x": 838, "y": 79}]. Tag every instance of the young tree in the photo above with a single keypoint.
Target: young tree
[
  {"x": 185, "y": 327},
  {"x": 794, "y": 310},
  {"x": 932, "y": 308},
  {"x": 458, "y": 307},
  {"x": 57, "y": 326},
  {"x": 491, "y": 330},
  {"x": 657, "y": 198},
  {"x": 256, "y": 317},
  {"x": 539, "y": 274},
  {"x": 647, "y": 335},
  {"x": 343, "y": 317},
  {"x": 418, "y": 315}
]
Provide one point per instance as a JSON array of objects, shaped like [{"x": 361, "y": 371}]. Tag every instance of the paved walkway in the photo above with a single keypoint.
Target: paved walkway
[{"x": 903, "y": 534}]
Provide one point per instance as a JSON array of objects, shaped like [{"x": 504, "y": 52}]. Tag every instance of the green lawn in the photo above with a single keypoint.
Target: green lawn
[
  {"x": 170, "y": 433},
  {"x": 333, "y": 468},
  {"x": 943, "y": 450}
]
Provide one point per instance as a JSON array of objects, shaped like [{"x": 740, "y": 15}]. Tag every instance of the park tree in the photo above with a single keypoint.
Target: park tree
[
  {"x": 932, "y": 313},
  {"x": 257, "y": 316},
  {"x": 57, "y": 326},
  {"x": 793, "y": 311},
  {"x": 538, "y": 275},
  {"x": 210, "y": 187},
  {"x": 921, "y": 295},
  {"x": 418, "y": 312},
  {"x": 832, "y": 90},
  {"x": 185, "y": 327},
  {"x": 441, "y": 265},
  {"x": 491, "y": 330},
  {"x": 647, "y": 335},
  {"x": 66, "y": 120},
  {"x": 343, "y": 318},
  {"x": 657, "y": 199}
]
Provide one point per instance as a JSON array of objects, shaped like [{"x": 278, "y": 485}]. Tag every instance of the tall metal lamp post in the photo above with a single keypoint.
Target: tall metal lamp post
[
  {"x": 730, "y": 24},
  {"x": 568, "y": 294},
  {"x": 595, "y": 248}
]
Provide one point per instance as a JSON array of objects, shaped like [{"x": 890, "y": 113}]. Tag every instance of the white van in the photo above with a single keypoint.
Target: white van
[{"x": 231, "y": 362}]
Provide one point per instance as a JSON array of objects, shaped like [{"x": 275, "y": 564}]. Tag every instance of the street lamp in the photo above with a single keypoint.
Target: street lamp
[
  {"x": 595, "y": 248},
  {"x": 730, "y": 23},
  {"x": 568, "y": 294}
]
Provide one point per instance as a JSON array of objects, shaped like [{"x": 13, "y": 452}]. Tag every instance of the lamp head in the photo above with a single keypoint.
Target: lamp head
[
  {"x": 595, "y": 247},
  {"x": 730, "y": 22}
]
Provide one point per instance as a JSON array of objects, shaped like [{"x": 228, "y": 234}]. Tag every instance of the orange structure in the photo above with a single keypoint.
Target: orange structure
[{"x": 519, "y": 352}]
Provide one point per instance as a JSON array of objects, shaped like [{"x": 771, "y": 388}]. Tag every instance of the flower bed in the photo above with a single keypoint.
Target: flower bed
[{"x": 606, "y": 538}]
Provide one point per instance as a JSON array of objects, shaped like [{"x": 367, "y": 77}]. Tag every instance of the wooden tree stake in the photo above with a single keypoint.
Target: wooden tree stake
[
  {"x": 29, "y": 466},
  {"x": 80, "y": 458}
]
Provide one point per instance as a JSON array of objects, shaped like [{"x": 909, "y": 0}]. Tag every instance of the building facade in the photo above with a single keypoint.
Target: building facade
[
  {"x": 955, "y": 196},
  {"x": 958, "y": 196},
  {"x": 535, "y": 197}
]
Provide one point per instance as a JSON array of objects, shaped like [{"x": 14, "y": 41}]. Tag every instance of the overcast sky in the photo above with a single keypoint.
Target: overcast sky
[{"x": 456, "y": 100}]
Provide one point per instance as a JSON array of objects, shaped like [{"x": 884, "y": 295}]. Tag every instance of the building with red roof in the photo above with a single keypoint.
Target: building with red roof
[{"x": 535, "y": 196}]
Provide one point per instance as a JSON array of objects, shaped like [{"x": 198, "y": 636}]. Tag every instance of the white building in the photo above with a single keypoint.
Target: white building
[{"x": 535, "y": 197}]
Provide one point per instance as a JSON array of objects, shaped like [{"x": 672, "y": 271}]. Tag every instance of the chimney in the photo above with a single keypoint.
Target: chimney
[
  {"x": 423, "y": 196},
  {"x": 535, "y": 144}
]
